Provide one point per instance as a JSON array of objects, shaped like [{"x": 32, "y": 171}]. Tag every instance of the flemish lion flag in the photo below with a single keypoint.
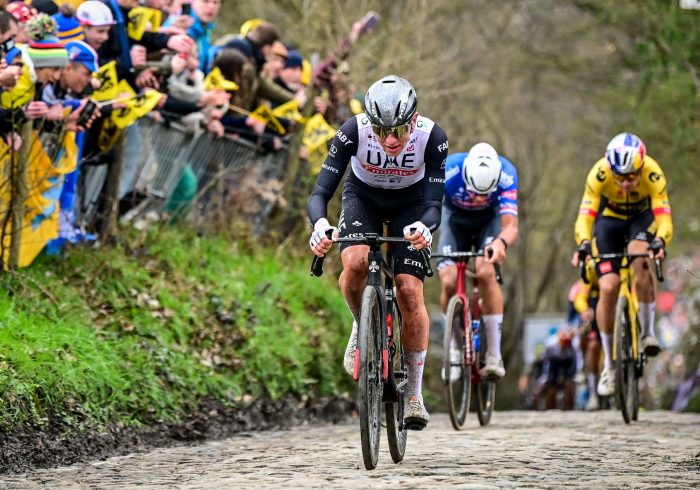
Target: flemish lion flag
[
  {"x": 136, "y": 108},
  {"x": 142, "y": 19},
  {"x": 216, "y": 81},
  {"x": 289, "y": 110},
  {"x": 317, "y": 132},
  {"x": 264, "y": 114},
  {"x": 107, "y": 75}
]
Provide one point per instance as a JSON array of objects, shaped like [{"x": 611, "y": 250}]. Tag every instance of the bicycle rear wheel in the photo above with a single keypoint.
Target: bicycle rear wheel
[
  {"x": 370, "y": 380},
  {"x": 396, "y": 431},
  {"x": 485, "y": 388},
  {"x": 457, "y": 388},
  {"x": 625, "y": 375},
  {"x": 638, "y": 371}
]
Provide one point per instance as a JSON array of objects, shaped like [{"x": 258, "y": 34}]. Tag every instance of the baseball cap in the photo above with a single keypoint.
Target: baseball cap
[
  {"x": 95, "y": 14},
  {"x": 80, "y": 52}
]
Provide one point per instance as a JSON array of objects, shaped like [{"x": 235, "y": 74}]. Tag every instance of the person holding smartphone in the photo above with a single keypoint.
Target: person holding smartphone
[{"x": 202, "y": 13}]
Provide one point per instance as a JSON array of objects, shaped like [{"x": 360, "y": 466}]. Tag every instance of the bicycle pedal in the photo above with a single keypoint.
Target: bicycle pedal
[{"x": 414, "y": 424}]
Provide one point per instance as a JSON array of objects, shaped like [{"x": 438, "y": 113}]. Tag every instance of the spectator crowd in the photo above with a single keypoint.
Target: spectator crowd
[{"x": 76, "y": 76}]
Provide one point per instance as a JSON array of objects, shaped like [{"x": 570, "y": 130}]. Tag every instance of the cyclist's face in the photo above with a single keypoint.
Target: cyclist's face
[
  {"x": 627, "y": 182},
  {"x": 392, "y": 144}
]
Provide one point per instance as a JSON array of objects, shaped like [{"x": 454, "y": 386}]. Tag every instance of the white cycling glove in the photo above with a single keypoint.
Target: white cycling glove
[
  {"x": 320, "y": 229},
  {"x": 420, "y": 228}
]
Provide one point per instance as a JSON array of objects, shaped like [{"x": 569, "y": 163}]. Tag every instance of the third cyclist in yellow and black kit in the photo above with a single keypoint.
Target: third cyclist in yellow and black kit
[{"x": 625, "y": 205}]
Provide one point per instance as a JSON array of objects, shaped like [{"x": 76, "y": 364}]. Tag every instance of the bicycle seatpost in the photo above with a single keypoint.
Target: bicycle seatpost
[{"x": 317, "y": 264}]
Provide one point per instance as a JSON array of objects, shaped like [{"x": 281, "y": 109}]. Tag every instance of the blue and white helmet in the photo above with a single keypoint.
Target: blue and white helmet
[
  {"x": 625, "y": 153},
  {"x": 482, "y": 169}
]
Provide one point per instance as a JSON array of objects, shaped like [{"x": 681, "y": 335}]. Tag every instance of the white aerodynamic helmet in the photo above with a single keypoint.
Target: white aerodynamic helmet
[{"x": 482, "y": 169}]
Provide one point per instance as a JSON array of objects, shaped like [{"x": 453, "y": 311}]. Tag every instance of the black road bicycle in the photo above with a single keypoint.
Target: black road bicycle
[{"x": 380, "y": 361}]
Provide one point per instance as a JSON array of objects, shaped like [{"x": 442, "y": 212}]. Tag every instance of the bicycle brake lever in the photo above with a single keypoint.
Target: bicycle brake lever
[
  {"x": 496, "y": 267},
  {"x": 317, "y": 263},
  {"x": 659, "y": 270}
]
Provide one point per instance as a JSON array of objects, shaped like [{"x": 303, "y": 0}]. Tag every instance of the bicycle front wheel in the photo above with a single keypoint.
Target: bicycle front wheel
[
  {"x": 370, "y": 380},
  {"x": 485, "y": 388},
  {"x": 396, "y": 430},
  {"x": 456, "y": 373},
  {"x": 625, "y": 363}
]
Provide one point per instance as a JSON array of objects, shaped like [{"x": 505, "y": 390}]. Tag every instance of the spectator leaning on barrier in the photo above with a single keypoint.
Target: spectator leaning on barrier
[
  {"x": 96, "y": 20},
  {"x": 131, "y": 54}
]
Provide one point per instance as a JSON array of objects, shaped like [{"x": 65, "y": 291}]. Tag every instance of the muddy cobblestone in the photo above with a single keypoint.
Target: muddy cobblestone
[{"x": 518, "y": 450}]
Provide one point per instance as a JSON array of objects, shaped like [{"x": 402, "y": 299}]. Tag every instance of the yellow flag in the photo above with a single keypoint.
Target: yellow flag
[
  {"x": 264, "y": 114},
  {"x": 124, "y": 89},
  {"x": 289, "y": 110},
  {"x": 142, "y": 19},
  {"x": 107, "y": 75},
  {"x": 136, "y": 108},
  {"x": 216, "y": 81},
  {"x": 317, "y": 132},
  {"x": 109, "y": 134}
]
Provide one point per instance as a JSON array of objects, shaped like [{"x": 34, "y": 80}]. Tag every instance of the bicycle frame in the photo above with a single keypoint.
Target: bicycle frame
[{"x": 627, "y": 291}]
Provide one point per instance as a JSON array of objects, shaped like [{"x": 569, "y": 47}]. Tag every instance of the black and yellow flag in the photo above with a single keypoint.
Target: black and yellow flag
[
  {"x": 142, "y": 19},
  {"x": 107, "y": 75}
]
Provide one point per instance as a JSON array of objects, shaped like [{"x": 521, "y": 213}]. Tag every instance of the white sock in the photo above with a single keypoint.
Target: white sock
[
  {"x": 493, "y": 325},
  {"x": 606, "y": 340},
  {"x": 415, "y": 361},
  {"x": 591, "y": 384},
  {"x": 646, "y": 318}
]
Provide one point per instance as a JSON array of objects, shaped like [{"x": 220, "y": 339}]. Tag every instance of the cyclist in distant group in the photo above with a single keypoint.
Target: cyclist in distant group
[
  {"x": 624, "y": 206},
  {"x": 481, "y": 211},
  {"x": 584, "y": 303},
  {"x": 397, "y": 159}
]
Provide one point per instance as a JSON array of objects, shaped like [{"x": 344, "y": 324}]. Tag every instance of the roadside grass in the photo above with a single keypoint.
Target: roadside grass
[{"x": 144, "y": 331}]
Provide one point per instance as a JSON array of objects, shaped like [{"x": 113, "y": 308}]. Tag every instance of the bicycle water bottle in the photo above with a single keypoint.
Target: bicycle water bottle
[{"x": 475, "y": 329}]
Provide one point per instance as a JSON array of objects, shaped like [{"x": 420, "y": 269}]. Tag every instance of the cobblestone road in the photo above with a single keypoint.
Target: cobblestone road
[{"x": 519, "y": 449}]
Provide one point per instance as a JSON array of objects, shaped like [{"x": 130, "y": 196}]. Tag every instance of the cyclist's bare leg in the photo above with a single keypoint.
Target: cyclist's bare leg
[
  {"x": 644, "y": 287},
  {"x": 609, "y": 286},
  {"x": 491, "y": 308},
  {"x": 448, "y": 283},
  {"x": 354, "y": 277},
  {"x": 409, "y": 294},
  {"x": 489, "y": 289}
]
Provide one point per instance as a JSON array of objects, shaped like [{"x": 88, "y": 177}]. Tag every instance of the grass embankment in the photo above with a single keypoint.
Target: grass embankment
[{"x": 143, "y": 332}]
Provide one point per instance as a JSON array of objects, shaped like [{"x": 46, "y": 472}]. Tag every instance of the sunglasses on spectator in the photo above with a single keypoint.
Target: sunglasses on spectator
[
  {"x": 627, "y": 177},
  {"x": 397, "y": 131}
]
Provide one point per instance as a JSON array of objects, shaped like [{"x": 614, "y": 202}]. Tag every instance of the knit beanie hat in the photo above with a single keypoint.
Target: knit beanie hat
[
  {"x": 44, "y": 48},
  {"x": 69, "y": 29}
]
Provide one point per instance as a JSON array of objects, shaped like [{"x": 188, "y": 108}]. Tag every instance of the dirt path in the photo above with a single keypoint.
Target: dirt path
[{"x": 519, "y": 449}]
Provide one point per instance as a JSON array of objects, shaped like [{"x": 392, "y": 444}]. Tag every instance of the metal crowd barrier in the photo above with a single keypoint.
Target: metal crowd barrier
[{"x": 154, "y": 164}]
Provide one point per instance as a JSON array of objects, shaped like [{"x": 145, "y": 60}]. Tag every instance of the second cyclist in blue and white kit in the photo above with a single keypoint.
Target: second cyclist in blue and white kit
[{"x": 480, "y": 211}]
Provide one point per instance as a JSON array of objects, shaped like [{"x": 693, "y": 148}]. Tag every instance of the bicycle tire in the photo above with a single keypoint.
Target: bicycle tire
[
  {"x": 485, "y": 388},
  {"x": 637, "y": 374},
  {"x": 396, "y": 431},
  {"x": 370, "y": 379},
  {"x": 458, "y": 390},
  {"x": 625, "y": 376}
]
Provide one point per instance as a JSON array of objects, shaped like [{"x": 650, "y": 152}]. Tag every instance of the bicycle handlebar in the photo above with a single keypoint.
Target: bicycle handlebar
[
  {"x": 658, "y": 266},
  {"x": 465, "y": 256},
  {"x": 369, "y": 238}
]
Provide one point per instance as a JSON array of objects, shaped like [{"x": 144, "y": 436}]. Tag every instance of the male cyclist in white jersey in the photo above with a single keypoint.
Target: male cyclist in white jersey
[{"x": 397, "y": 160}]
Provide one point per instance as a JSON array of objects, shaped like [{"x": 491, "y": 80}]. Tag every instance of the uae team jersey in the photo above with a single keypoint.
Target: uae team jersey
[
  {"x": 458, "y": 198},
  {"x": 421, "y": 163}
]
